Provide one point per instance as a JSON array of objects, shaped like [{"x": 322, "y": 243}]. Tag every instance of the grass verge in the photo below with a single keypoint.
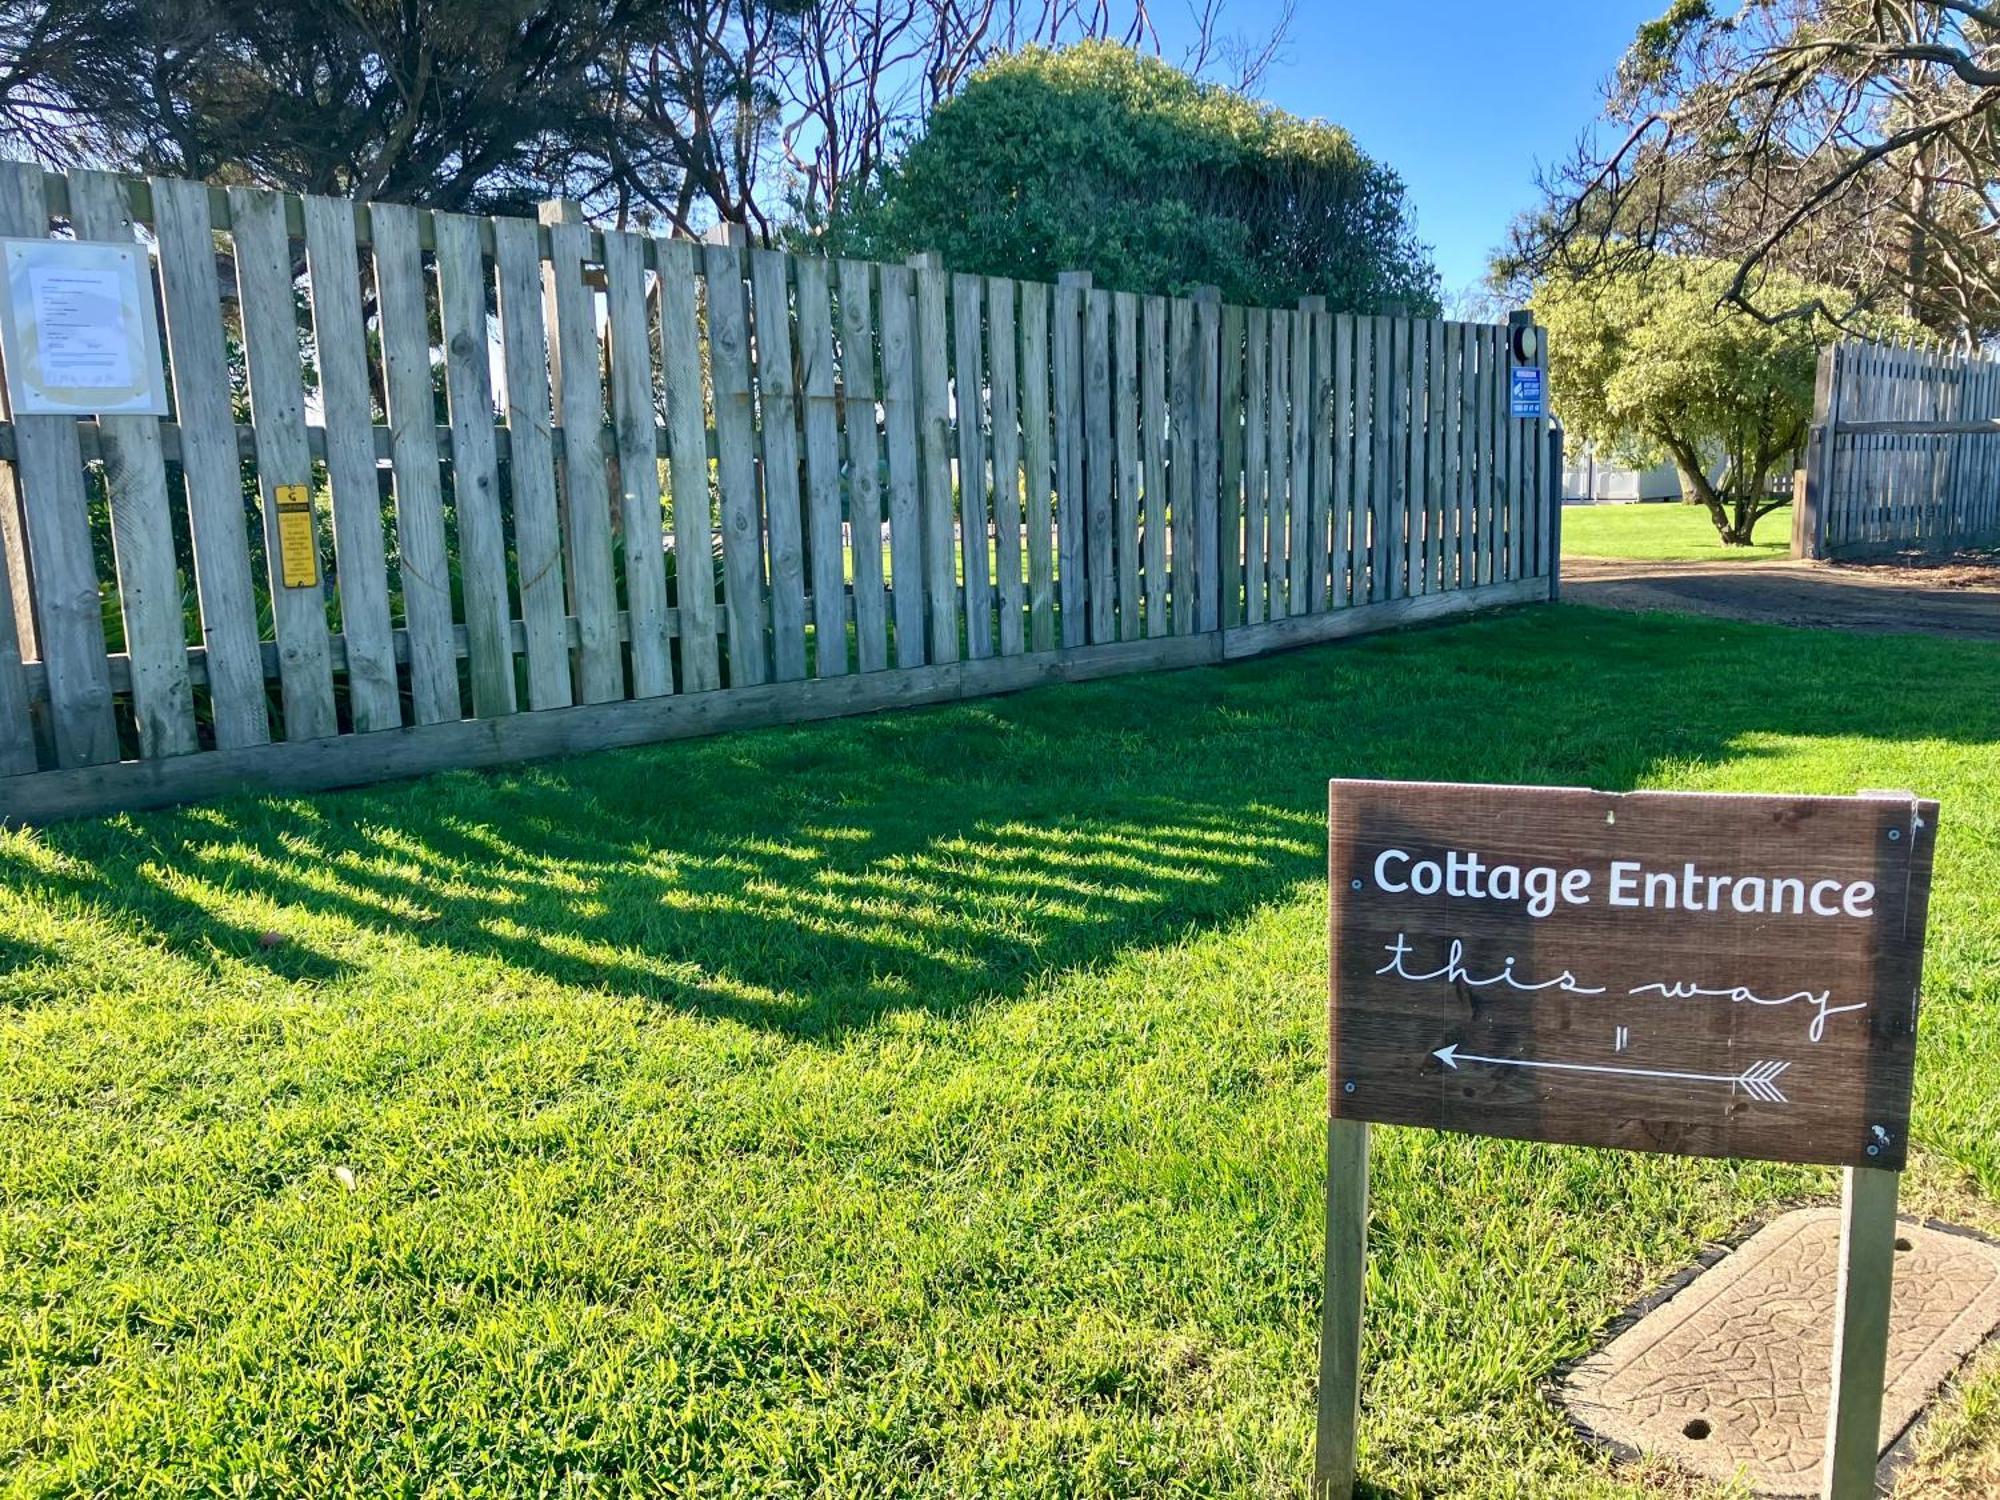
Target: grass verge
[
  {"x": 922, "y": 1105},
  {"x": 1668, "y": 532}
]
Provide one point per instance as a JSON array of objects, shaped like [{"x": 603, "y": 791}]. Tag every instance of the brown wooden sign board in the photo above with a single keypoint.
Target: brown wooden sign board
[{"x": 1701, "y": 974}]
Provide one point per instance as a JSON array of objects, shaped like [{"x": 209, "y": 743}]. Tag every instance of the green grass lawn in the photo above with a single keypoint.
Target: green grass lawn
[
  {"x": 929, "y": 1104},
  {"x": 1666, "y": 532}
]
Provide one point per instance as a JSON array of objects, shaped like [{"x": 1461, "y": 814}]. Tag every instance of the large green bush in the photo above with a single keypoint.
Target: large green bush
[{"x": 1099, "y": 159}]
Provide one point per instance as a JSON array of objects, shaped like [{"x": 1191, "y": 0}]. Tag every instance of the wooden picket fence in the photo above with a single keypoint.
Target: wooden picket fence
[
  {"x": 582, "y": 488},
  {"x": 1903, "y": 455}
]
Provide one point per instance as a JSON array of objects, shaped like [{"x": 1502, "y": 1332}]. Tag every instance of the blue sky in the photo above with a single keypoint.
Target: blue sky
[{"x": 1463, "y": 97}]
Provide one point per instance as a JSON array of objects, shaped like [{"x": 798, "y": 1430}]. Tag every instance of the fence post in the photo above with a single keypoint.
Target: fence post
[
  {"x": 1860, "y": 1333},
  {"x": 1555, "y": 502},
  {"x": 1341, "y": 1307},
  {"x": 1518, "y": 464},
  {"x": 1809, "y": 500}
]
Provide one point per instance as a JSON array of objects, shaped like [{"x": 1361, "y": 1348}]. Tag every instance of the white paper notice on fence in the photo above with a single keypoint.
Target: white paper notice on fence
[{"x": 80, "y": 333}]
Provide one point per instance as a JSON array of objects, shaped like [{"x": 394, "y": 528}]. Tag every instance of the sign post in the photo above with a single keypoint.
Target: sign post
[{"x": 1698, "y": 974}]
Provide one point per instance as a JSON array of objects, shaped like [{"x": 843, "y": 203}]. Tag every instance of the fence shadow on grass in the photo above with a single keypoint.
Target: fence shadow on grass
[
  {"x": 804, "y": 882},
  {"x": 804, "y": 927},
  {"x": 807, "y": 880}
]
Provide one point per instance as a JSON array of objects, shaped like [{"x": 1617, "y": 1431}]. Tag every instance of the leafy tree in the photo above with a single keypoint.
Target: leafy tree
[
  {"x": 456, "y": 104},
  {"x": 1643, "y": 359},
  {"x": 1098, "y": 158}
]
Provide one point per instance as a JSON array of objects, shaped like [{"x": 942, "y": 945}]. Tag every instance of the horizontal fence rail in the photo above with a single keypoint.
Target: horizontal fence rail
[
  {"x": 1904, "y": 453},
  {"x": 442, "y": 491}
]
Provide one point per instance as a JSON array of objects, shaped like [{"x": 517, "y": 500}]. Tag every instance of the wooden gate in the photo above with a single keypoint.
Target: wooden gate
[
  {"x": 441, "y": 491},
  {"x": 1904, "y": 453}
]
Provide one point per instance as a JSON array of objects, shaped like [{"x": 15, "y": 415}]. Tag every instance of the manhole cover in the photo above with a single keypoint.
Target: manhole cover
[{"x": 1729, "y": 1378}]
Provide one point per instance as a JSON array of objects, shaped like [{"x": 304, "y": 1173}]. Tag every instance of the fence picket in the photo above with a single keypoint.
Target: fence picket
[
  {"x": 1256, "y": 439},
  {"x": 899, "y": 424},
  {"x": 1153, "y": 431},
  {"x": 475, "y": 473},
  {"x": 1413, "y": 508},
  {"x": 1890, "y": 464},
  {"x": 629, "y": 360},
  {"x": 1384, "y": 534},
  {"x": 1451, "y": 495},
  {"x": 736, "y": 465},
  {"x": 1437, "y": 461},
  {"x": 1298, "y": 518},
  {"x": 1182, "y": 459},
  {"x": 210, "y": 467},
  {"x": 1100, "y": 577},
  {"x": 142, "y": 537},
  {"x": 1545, "y": 490},
  {"x": 360, "y": 557},
  {"x": 1279, "y": 459},
  {"x": 1005, "y": 402},
  {"x": 1125, "y": 362},
  {"x": 423, "y": 567},
  {"x": 864, "y": 466},
  {"x": 1319, "y": 514},
  {"x": 1206, "y": 449},
  {"x": 1067, "y": 351},
  {"x": 969, "y": 416},
  {"x": 1361, "y": 540},
  {"x": 934, "y": 448},
  {"x": 1488, "y": 502},
  {"x": 1402, "y": 505},
  {"x": 1038, "y": 484},
  {"x": 778, "y": 410},
  {"x": 531, "y": 466},
  {"x": 284, "y": 463},
  {"x": 1441, "y": 457},
  {"x": 821, "y": 419},
  {"x": 1340, "y": 546},
  {"x": 687, "y": 459},
  {"x": 1231, "y": 503},
  {"x": 1466, "y": 425},
  {"x": 570, "y": 305}
]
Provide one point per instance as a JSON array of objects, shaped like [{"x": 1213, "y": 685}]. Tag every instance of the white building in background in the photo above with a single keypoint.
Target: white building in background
[{"x": 1585, "y": 478}]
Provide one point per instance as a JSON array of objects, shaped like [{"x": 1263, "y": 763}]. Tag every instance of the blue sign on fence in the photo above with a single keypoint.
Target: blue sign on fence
[{"x": 1525, "y": 388}]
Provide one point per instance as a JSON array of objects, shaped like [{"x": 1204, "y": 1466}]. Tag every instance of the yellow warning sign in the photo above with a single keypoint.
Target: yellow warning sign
[{"x": 298, "y": 552}]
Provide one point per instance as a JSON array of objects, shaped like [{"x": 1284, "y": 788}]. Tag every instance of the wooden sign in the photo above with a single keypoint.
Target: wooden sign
[{"x": 1702, "y": 974}]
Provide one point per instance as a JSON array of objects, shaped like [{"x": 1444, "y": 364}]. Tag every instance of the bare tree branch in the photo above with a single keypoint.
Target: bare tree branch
[{"x": 1852, "y": 142}]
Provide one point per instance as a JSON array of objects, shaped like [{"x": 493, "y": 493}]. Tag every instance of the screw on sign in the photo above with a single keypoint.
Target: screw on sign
[{"x": 1698, "y": 974}]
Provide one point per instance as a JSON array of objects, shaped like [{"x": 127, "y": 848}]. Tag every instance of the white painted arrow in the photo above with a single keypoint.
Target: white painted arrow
[{"x": 1757, "y": 1080}]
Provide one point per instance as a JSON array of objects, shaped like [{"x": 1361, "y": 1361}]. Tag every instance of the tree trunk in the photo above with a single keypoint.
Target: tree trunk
[{"x": 1695, "y": 486}]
